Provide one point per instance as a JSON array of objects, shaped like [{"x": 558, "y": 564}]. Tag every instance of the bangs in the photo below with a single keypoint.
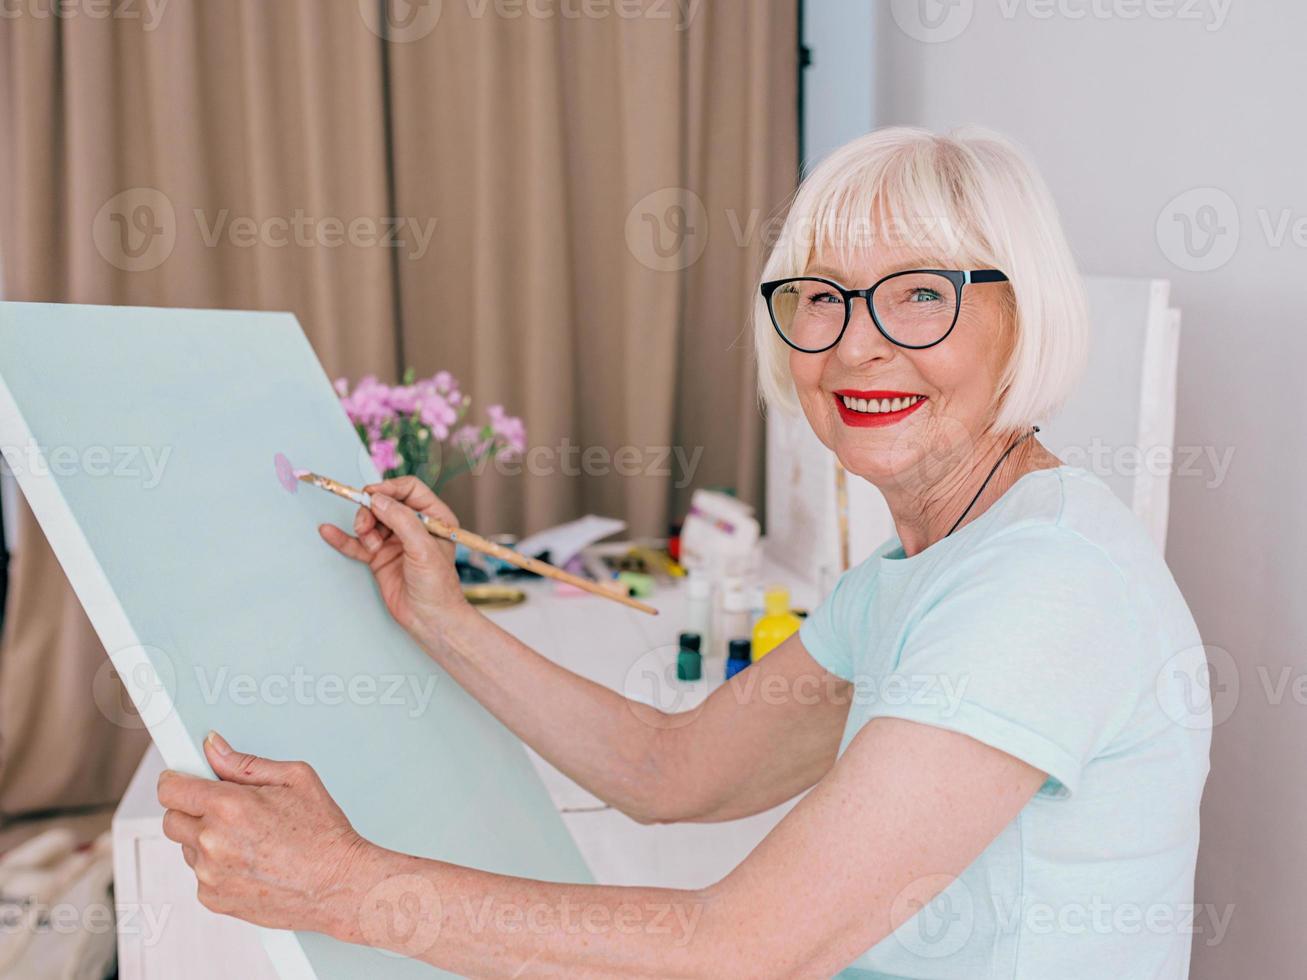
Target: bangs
[{"x": 912, "y": 201}]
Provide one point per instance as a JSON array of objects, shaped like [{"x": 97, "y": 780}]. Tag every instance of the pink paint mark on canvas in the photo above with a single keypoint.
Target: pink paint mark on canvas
[{"x": 285, "y": 473}]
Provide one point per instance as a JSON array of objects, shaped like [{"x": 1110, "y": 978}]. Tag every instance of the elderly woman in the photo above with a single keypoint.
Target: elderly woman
[{"x": 1030, "y": 809}]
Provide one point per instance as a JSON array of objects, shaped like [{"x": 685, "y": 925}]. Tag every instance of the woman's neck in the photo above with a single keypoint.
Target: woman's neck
[{"x": 925, "y": 508}]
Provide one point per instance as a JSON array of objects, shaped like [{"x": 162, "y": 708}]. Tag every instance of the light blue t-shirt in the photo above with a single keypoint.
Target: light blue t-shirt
[{"x": 1050, "y": 628}]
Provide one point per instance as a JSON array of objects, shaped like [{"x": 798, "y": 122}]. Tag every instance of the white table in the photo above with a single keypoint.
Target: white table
[{"x": 619, "y": 647}]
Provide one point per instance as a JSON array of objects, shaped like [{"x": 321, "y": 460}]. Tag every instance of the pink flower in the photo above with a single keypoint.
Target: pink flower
[
  {"x": 385, "y": 455},
  {"x": 438, "y": 415},
  {"x": 468, "y": 438},
  {"x": 428, "y": 408},
  {"x": 369, "y": 404},
  {"x": 404, "y": 399},
  {"x": 508, "y": 429}
]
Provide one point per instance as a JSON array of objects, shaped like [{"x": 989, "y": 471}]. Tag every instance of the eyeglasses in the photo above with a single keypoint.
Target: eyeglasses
[{"x": 913, "y": 309}]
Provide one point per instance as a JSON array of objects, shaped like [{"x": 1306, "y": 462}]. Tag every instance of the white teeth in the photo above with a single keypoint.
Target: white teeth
[{"x": 875, "y": 406}]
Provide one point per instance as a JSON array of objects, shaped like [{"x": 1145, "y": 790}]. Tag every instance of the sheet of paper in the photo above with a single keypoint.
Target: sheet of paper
[{"x": 565, "y": 541}]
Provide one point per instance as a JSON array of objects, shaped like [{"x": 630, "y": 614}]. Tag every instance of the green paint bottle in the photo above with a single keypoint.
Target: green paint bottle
[{"x": 689, "y": 661}]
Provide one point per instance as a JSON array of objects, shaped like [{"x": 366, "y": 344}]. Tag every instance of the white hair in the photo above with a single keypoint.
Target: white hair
[{"x": 970, "y": 199}]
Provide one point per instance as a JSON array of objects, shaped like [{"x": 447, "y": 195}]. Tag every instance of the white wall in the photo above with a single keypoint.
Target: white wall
[
  {"x": 1125, "y": 106},
  {"x": 839, "y": 83}
]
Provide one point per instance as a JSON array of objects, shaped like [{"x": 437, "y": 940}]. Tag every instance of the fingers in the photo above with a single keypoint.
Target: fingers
[
  {"x": 411, "y": 491},
  {"x": 189, "y": 794},
  {"x": 363, "y": 521},
  {"x": 411, "y": 532},
  {"x": 366, "y": 529},
  {"x": 406, "y": 489},
  {"x": 250, "y": 770},
  {"x": 368, "y": 539},
  {"x": 348, "y": 546},
  {"x": 182, "y": 828}
]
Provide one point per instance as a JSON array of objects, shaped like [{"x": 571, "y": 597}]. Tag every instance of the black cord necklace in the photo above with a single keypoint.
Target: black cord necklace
[{"x": 1009, "y": 449}]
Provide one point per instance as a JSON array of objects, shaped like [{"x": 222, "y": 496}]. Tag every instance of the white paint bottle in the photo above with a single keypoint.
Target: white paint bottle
[
  {"x": 698, "y": 608},
  {"x": 734, "y": 623}
]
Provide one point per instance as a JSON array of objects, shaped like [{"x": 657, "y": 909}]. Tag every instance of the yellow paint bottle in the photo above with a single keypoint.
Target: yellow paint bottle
[{"x": 776, "y": 625}]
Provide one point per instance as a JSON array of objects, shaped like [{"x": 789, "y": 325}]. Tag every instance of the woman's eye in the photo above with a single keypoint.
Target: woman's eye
[
  {"x": 825, "y": 298},
  {"x": 923, "y": 296}
]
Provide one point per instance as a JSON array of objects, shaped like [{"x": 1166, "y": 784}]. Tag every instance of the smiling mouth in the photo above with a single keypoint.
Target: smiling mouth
[{"x": 875, "y": 408}]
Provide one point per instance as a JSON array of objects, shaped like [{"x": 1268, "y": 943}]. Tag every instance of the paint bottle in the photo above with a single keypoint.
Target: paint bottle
[
  {"x": 757, "y": 604},
  {"x": 689, "y": 663},
  {"x": 776, "y": 625},
  {"x": 738, "y": 657},
  {"x": 698, "y": 607},
  {"x": 723, "y": 585},
  {"x": 735, "y": 614}
]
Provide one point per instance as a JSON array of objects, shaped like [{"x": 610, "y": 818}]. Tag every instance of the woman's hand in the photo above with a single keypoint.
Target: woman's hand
[
  {"x": 414, "y": 570},
  {"x": 268, "y": 844}
]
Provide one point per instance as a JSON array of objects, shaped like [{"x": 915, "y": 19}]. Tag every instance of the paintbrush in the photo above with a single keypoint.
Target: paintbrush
[{"x": 477, "y": 543}]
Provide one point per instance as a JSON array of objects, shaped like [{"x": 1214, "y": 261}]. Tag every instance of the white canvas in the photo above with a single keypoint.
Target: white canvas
[{"x": 144, "y": 441}]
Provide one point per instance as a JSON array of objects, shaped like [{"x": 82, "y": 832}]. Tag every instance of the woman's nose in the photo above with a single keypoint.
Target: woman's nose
[{"x": 862, "y": 342}]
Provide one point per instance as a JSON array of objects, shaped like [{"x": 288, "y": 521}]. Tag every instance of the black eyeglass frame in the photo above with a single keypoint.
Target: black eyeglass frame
[{"x": 959, "y": 278}]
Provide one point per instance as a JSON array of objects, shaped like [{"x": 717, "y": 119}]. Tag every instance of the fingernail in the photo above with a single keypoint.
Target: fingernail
[
  {"x": 372, "y": 541},
  {"x": 380, "y": 503},
  {"x": 219, "y": 743}
]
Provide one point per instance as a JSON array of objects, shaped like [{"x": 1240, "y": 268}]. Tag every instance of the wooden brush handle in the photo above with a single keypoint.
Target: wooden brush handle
[{"x": 477, "y": 543}]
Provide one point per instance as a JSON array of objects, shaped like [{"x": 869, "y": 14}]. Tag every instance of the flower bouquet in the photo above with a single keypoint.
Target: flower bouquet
[{"x": 419, "y": 427}]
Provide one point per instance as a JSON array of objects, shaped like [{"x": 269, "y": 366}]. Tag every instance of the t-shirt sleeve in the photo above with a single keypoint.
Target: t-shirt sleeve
[
  {"x": 1029, "y": 645},
  {"x": 827, "y": 632}
]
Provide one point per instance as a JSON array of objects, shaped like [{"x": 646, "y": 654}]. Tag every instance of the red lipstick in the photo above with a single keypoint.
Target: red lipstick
[{"x": 858, "y": 419}]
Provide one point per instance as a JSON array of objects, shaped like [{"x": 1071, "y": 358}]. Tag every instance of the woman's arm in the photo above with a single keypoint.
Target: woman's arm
[
  {"x": 900, "y": 815},
  {"x": 769, "y": 734}
]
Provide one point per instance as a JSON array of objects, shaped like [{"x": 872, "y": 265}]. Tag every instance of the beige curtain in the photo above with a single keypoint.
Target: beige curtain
[
  {"x": 218, "y": 112},
  {"x": 603, "y": 188},
  {"x": 584, "y": 204}
]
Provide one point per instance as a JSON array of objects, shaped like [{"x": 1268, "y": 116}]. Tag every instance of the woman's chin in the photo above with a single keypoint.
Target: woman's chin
[
  {"x": 880, "y": 464},
  {"x": 882, "y": 455}
]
